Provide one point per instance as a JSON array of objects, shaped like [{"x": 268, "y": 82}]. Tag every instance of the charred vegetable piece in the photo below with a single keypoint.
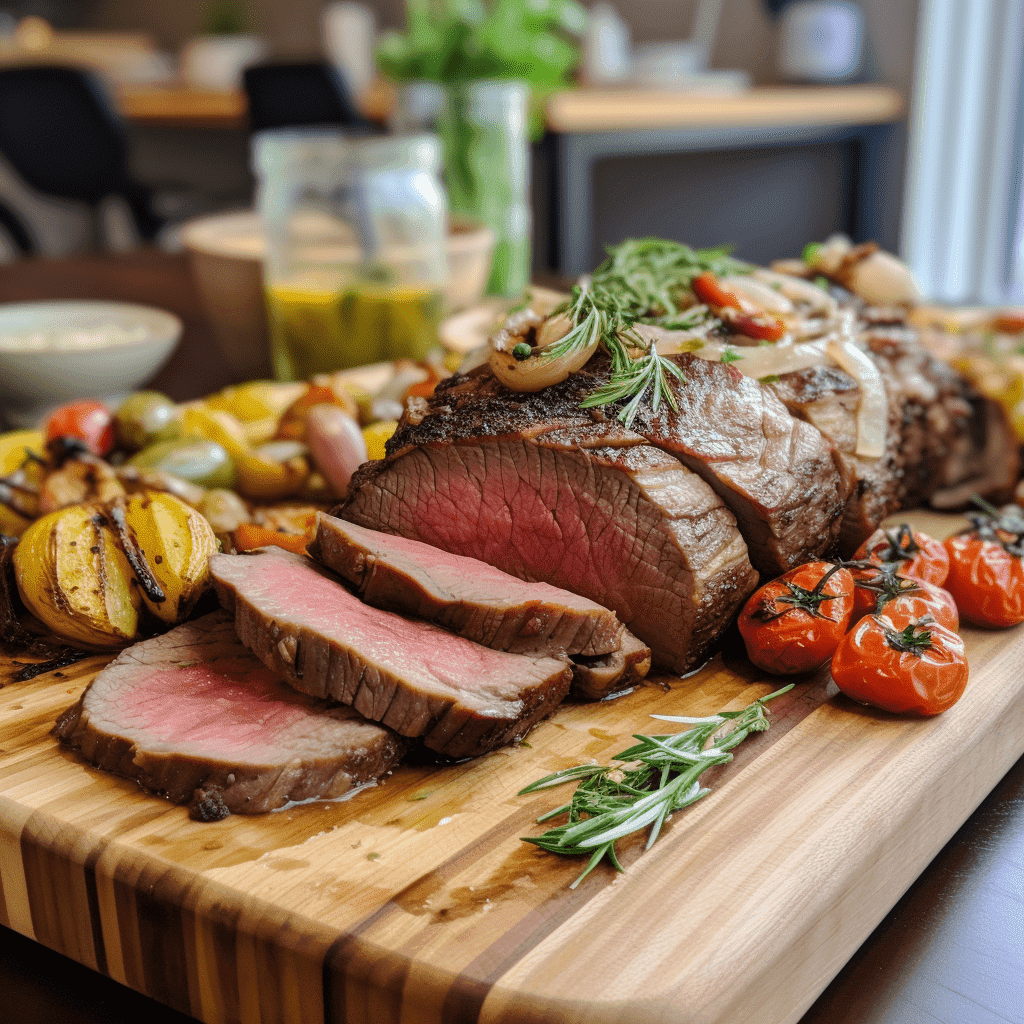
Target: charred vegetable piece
[
  {"x": 74, "y": 577},
  {"x": 88, "y": 421}
]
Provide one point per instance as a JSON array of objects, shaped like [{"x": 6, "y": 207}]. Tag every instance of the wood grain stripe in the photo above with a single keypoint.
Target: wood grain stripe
[{"x": 349, "y": 961}]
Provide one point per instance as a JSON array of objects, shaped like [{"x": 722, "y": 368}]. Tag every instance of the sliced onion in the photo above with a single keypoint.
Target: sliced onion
[
  {"x": 775, "y": 360},
  {"x": 873, "y": 412},
  {"x": 799, "y": 289},
  {"x": 541, "y": 370},
  {"x": 831, "y": 253},
  {"x": 762, "y": 295}
]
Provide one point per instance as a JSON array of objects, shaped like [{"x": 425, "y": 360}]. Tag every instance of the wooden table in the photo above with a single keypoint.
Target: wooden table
[{"x": 950, "y": 951}]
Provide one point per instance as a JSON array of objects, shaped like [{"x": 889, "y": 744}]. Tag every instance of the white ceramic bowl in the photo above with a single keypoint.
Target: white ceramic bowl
[
  {"x": 59, "y": 351},
  {"x": 226, "y": 255}
]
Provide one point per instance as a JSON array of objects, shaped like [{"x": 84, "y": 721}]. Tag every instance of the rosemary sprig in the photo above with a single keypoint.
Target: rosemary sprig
[
  {"x": 642, "y": 281},
  {"x": 656, "y": 777}
]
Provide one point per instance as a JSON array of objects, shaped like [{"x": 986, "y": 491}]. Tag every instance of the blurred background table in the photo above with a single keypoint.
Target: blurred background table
[{"x": 587, "y": 126}]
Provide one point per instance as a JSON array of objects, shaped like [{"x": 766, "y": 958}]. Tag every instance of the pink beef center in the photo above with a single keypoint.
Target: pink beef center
[
  {"x": 541, "y": 528},
  {"x": 445, "y": 567},
  {"x": 232, "y": 706}
]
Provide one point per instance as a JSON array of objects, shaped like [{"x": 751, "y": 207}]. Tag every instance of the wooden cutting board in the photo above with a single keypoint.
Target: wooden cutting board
[{"x": 416, "y": 902}]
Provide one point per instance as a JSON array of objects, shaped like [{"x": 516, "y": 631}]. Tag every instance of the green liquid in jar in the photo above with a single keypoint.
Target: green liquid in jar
[{"x": 319, "y": 331}]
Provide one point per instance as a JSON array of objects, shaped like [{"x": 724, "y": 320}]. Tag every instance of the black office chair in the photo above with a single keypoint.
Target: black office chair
[
  {"x": 59, "y": 132},
  {"x": 297, "y": 95}
]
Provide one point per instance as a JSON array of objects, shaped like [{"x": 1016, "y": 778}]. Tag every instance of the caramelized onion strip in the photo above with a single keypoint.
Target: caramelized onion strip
[{"x": 873, "y": 412}]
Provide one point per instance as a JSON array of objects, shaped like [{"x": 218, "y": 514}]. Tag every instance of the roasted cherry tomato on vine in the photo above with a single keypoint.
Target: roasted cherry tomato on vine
[
  {"x": 759, "y": 326},
  {"x": 881, "y": 590},
  {"x": 89, "y": 421},
  {"x": 914, "y": 554},
  {"x": 795, "y": 623},
  {"x": 919, "y": 668},
  {"x": 986, "y": 579},
  {"x": 708, "y": 289}
]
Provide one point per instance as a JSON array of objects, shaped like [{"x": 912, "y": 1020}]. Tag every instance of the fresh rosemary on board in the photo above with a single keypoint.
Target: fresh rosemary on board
[
  {"x": 645, "y": 281},
  {"x": 658, "y": 776}
]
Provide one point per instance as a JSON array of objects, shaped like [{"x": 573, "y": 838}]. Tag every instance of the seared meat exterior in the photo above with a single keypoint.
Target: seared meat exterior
[
  {"x": 465, "y": 595},
  {"x": 776, "y": 473},
  {"x": 828, "y": 399},
  {"x": 192, "y": 715},
  {"x": 944, "y": 442},
  {"x": 596, "y": 677},
  {"x": 459, "y": 698},
  {"x": 524, "y": 483}
]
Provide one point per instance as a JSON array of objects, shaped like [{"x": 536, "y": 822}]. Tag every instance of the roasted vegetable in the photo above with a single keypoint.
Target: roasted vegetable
[
  {"x": 74, "y": 577},
  {"x": 201, "y": 462},
  {"x": 145, "y": 418},
  {"x": 88, "y": 421},
  {"x": 172, "y": 543}
]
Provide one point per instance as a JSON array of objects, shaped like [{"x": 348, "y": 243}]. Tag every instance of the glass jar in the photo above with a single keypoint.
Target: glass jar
[{"x": 355, "y": 265}]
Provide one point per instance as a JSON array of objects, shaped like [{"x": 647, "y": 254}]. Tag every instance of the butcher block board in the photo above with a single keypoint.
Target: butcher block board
[{"x": 415, "y": 901}]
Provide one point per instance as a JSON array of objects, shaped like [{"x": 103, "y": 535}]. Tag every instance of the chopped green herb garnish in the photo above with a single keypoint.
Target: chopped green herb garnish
[
  {"x": 643, "y": 281},
  {"x": 730, "y": 355}
]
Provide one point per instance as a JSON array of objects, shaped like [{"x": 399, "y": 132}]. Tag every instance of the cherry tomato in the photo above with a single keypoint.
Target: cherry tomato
[
  {"x": 879, "y": 590},
  {"x": 986, "y": 581},
  {"x": 795, "y": 623},
  {"x": 88, "y": 421},
  {"x": 917, "y": 554},
  {"x": 920, "y": 668},
  {"x": 760, "y": 326},
  {"x": 708, "y": 289},
  {"x": 1009, "y": 322}
]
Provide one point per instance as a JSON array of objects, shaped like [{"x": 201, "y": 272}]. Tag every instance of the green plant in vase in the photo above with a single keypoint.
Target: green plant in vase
[{"x": 496, "y": 63}]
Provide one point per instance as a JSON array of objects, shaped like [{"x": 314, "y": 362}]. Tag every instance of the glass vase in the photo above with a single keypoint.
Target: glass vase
[{"x": 484, "y": 127}]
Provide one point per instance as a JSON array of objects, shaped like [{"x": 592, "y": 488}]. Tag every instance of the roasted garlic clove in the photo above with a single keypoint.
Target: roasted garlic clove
[{"x": 74, "y": 577}]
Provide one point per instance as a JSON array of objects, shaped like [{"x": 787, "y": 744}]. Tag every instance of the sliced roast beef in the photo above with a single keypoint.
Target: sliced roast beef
[
  {"x": 829, "y": 399},
  {"x": 465, "y": 595},
  {"x": 955, "y": 443},
  {"x": 776, "y": 473},
  {"x": 459, "y": 698},
  {"x": 628, "y": 527},
  {"x": 597, "y": 677},
  {"x": 192, "y": 715}
]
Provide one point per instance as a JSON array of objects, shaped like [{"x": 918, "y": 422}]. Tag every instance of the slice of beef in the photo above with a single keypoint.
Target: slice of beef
[
  {"x": 460, "y": 698},
  {"x": 829, "y": 399},
  {"x": 465, "y": 595},
  {"x": 776, "y": 473},
  {"x": 193, "y": 715},
  {"x": 628, "y": 527},
  {"x": 984, "y": 459},
  {"x": 597, "y": 677}
]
